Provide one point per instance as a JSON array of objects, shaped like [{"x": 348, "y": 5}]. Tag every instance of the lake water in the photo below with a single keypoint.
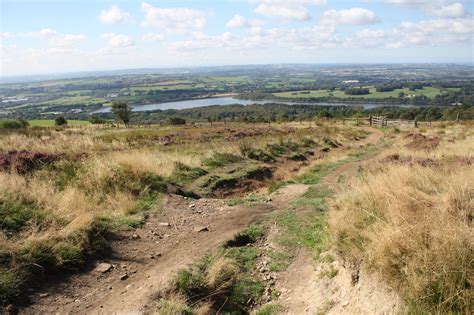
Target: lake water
[{"x": 229, "y": 101}]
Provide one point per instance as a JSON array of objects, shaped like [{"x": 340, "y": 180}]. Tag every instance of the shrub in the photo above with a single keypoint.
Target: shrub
[
  {"x": 176, "y": 121},
  {"x": 60, "y": 121},
  {"x": 95, "y": 120},
  {"x": 13, "y": 124}
]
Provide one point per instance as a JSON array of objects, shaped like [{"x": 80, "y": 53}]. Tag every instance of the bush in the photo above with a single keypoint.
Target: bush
[
  {"x": 60, "y": 121},
  {"x": 13, "y": 124},
  {"x": 176, "y": 121},
  {"x": 96, "y": 120}
]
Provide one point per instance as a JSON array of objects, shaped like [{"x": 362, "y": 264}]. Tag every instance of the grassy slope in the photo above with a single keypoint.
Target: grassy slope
[
  {"x": 61, "y": 208},
  {"x": 409, "y": 220}
]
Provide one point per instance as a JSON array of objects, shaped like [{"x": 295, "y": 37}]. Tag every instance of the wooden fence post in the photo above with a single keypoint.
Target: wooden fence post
[{"x": 370, "y": 119}]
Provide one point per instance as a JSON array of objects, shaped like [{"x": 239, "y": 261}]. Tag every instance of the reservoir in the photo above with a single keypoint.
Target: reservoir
[{"x": 230, "y": 101}]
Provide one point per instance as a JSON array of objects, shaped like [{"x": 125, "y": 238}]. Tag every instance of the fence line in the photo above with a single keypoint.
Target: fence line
[{"x": 382, "y": 121}]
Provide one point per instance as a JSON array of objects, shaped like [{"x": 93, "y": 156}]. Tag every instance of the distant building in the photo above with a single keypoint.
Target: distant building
[
  {"x": 350, "y": 81},
  {"x": 456, "y": 104}
]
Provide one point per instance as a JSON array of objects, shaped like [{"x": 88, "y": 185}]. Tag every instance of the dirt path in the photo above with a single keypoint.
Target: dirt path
[
  {"x": 349, "y": 170},
  {"x": 327, "y": 286},
  {"x": 144, "y": 260}
]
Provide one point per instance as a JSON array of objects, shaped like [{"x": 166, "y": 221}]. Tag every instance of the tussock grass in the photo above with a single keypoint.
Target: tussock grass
[{"x": 413, "y": 226}]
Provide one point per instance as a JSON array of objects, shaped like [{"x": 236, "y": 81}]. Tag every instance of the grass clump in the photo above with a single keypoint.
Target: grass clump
[
  {"x": 11, "y": 284},
  {"x": 260, "y": 155},
  {"x": 183, "y": 173},
  {"x": 173, "y": 306},
  {"x": 189, "y": 281},
  {"x": 413, "y": 225},
  {"x": 15, "y": 214},
  {"x": 270, "y": 309},
  {"x": 221, "y": 159}
]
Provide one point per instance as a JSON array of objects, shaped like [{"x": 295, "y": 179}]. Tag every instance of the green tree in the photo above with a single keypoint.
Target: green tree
[
  {"x": 122, "y": 112},
  {"x": 60, "y": 121}
]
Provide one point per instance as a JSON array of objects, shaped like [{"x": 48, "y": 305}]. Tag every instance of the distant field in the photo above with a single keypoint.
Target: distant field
[
  {"x": 428, "y": 91},
  {"x": 50, "y": 122},
  {"x": 73, "y": 100}
]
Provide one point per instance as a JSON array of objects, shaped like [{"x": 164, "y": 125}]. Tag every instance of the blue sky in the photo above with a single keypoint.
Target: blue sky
[{"x": 66, "y": 36}]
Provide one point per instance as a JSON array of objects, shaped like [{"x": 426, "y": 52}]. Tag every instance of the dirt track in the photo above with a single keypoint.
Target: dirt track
[
  {"x": 144, "y": 260},
  {"x": 305, "y": 291}
]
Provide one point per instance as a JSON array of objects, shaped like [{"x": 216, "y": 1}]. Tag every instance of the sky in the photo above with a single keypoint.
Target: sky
[{"x": 54, "y": 36}]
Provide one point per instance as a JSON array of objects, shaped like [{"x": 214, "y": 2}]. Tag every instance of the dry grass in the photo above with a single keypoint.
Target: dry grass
[
  {"x": 222, "y": 273},
  {"x": 413, "y": 226}
]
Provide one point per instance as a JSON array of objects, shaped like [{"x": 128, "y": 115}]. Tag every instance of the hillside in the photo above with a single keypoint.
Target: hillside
[{"x": 236, "y": 217}]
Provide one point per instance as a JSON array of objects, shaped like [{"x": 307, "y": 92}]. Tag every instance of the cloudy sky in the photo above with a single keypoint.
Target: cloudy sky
[{"x": 54, "y": 36}]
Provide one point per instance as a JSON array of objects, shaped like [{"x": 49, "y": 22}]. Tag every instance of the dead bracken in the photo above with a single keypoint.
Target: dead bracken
[
  {"x": 418, "y": 141},
  {"x": 25, "y": 161},
  {"x": 408, "y": 160}
]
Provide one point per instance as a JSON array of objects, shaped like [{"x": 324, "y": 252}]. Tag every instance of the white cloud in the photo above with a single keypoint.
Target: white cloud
[
  {"x": 55, "y": 38},
  {"x": 152, "y": 37},
  {"x": 117, "y": 40},
  {"x": 176, "y": 20},
  {"x": 432, "y": 32},
  {"x": 367, "y": 38},
  {"x": 236, "y": 21},
  {"x": 353, "y": 16},
  {"x": 295, "y": 10},
  {"x": 114, "y": 15},
  {"x": 297, "y": 13},
  {"x": 457, "y": 26},
  {"x": 5, "y": 35},
  {"x": 454, "y": 10},
  {"x": 202, "y": 41},
  {"x": 440, "y": 8}
]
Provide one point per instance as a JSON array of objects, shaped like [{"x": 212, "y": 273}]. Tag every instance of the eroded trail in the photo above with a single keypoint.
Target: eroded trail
[
  {"x": 328, "y": 286},
  {"x": 143, "y": 261},
  {"x": 349, "y": 170}
]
